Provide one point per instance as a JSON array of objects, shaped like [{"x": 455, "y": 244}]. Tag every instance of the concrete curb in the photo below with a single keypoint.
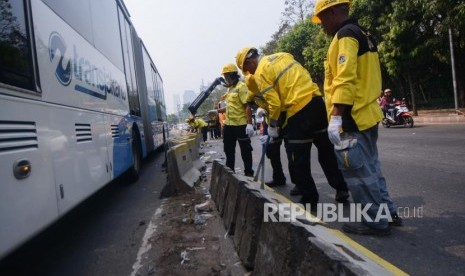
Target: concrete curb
[
  {"x": 451, "y": 119},
  {"x": 447, "y": 116},
  {"x": 273, "y": 248}
]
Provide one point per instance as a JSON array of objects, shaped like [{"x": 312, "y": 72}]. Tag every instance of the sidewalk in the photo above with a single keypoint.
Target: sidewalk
[{"x": 440, "y": 116}]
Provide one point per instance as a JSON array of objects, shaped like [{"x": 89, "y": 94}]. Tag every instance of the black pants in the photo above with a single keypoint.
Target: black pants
[
  {"x": 217, "y": 131},
  {"x": 304, "y": 128},
  {"x": 273, "y": 153},
  {"x": 211, "y": 132},
  {"x": 231, "y": 134},
  {"x": 204, "y": 133}
]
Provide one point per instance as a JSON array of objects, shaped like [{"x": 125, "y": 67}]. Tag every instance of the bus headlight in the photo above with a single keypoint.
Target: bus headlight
[{"x": 22, "y": 169}]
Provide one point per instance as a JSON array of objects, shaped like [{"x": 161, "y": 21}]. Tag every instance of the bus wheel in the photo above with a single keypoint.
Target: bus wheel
[{"x": 134, "y": 171}]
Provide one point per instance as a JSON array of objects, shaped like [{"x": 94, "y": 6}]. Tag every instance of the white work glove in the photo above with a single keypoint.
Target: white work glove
[
  {"x": 261, "y": 112},
  {"x": 263, "y": 139},
  {"x": 249, "y": 130},
  {"x": 334, "y": 129},
  {"x": 273, "y": 132}
]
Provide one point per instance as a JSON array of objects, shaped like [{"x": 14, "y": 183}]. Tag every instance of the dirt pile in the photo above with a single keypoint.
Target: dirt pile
[{"x": 190, "y": 238}]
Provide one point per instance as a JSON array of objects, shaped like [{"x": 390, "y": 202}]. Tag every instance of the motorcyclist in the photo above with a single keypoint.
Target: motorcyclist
[{"x": 387, "y": 103}]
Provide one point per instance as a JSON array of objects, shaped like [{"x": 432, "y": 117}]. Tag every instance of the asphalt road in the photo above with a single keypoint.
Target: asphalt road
[
  {"x": 101, "y": 236},
  {"x": 425, "y": 172},
  {"x": 423, "y": 167}
]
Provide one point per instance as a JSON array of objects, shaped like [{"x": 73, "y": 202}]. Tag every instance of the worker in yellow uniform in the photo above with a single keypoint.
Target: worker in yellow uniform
[
  {"x": 297, "y": 112},
  {"x": 199, "y": 125},
  {"x": 238, "y": 120},
  {"x": 352, "y": 84}
]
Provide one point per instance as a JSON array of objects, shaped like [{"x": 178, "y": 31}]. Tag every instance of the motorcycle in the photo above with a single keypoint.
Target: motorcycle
[{"x": 398, "y": 115}]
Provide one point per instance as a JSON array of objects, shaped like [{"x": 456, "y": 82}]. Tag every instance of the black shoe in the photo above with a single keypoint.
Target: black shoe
[
  {"x": 273, "y": 183},
  {"x": 362, "y": 229},
  {"x": 250, "y": 174},
  {"x": 295, "y": 191},
  {"x": 396, "y": 220},
  {"x": 342, "y": 196}
]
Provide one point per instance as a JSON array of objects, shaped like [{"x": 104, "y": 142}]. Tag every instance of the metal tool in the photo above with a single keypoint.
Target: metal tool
[
  {"x": 261, "y": 165},
  {"x": 204, "y": 95}
]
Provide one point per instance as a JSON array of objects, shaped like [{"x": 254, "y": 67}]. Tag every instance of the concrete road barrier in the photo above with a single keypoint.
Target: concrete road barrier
[
  {"x": 230, "y": 210},
  {"x": 248, "y": 223},
  {"x": 182, "y": 174},
  {"x": 300, "y": 247},
  {"x": 193, "y": 146},
  {"x": 295, "y": 250},
  {"x": 217, "y": 170},
  {"x": 226, "y": 177},
  {"x": 215, "y": 177}
]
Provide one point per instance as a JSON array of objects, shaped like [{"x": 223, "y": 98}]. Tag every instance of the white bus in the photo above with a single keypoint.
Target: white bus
[{"x": 81, "y": 103}]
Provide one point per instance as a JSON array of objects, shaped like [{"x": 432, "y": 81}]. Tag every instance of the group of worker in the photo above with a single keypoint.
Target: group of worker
[
  {"x": 343, "y": 124},
  {"x": 213, "y": 126}
]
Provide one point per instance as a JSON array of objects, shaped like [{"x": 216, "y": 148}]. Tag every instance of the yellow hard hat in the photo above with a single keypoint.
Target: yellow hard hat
[
  {"x": 229, "y": 68},
  {"x": 322, "y": 5},
  {"x": 242, "y": 55}
]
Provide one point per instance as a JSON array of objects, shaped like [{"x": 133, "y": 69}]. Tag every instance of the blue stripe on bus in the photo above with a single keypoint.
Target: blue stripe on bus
[{"x": 82, "y": 89}]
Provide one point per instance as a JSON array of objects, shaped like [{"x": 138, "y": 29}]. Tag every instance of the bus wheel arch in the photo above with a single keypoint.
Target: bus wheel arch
[{"x": 136, "y": 148}]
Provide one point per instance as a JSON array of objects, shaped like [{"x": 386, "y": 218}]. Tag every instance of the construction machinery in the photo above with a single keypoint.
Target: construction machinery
[{"x": 204, "y": 95}]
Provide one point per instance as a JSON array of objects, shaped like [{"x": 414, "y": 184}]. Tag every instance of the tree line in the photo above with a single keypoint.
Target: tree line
[{"x": 414, "y": 42}]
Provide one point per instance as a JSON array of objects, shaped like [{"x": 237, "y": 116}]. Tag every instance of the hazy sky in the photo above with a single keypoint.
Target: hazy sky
[{"x": 191, "y": 40}]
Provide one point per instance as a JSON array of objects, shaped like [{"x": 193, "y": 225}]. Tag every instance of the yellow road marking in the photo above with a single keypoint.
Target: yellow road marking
[
  {"x": 369, "y": 254},
  {"x": 366, "y": 252}
]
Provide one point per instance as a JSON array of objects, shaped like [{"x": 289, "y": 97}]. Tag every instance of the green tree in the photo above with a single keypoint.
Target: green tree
[
  {"x": 308, "y": 44},
  {"x": 295, "y": 12},
  {"x": 173, "y": 119},
  {"x": 445, "y": 15},
  {"x": 413, "y": 45},
  {"x": 272, "y": 45}
]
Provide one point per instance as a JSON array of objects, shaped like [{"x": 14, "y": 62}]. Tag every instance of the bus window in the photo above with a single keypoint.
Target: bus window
[
  {"x": 94, "y": 20},
  {"x": 15, "y": 52},
  {"x": 129, "y": 68},
  {"x": 106, "y": 36},
  {"x": 76, "y": 13}
]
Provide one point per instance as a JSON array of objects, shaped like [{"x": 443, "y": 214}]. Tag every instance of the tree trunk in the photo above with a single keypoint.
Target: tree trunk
[
  {"x": 459, "y": 53},
  {"x": 460, "y": 84},
  {"x": 423, "y": 93},
  {"x": 412, "y": 94}
]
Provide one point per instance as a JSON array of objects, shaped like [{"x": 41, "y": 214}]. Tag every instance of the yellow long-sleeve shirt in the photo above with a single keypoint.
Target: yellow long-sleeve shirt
[
  {"x": 236, "y": 100},
  {"x": 353, "y": 77},
  {"x": 284, "y": 84},
  {"x": 198, "y": 124}
]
